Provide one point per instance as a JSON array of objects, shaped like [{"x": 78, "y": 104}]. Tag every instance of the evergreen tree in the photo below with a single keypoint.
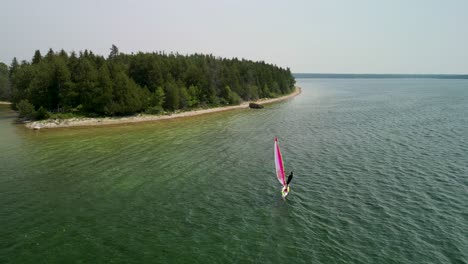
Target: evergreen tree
[
  {"x": 26, "y": 109},
  {"x": 193, "y": 96},
  {"x": 20, "y": 80},
  {"x": 39, "y": 93},
  {"x": 172, "y": 94},
  {"x": 114, "y": 52},
  {"x": 85, "y": 77},
  {"x": 184, "y": 97},
  {"x": 130, "y": 83},
  {"x": 127, "y": 95},
  {"x": 63, "y": 54},
  {"x": 37, "y": 57},
  {"x": 14, "y": 65},
  {"x": 61, "y": 80},
  {"x": 102, "y": 95},
  {"x": 159, "y": 97},
  {"x": 50, "y": 54},
  {"x": 5, "y": 92}
]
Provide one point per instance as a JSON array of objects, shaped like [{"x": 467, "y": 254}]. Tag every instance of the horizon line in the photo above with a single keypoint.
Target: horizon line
[
  {"x": 381, "y": 75},
  {"x": 348, "y": 73}
]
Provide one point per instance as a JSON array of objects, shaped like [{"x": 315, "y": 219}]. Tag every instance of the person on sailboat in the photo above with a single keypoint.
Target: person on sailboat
[{"x": 285, "y": 189}]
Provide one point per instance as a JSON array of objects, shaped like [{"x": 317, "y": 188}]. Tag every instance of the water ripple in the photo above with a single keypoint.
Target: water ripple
[{"x": 380, "y": 177}]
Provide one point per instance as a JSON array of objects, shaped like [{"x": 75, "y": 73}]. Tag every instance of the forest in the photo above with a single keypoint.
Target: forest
[
  {"x": 5, "y": 91},
  {"x": 125, "y": 84}
]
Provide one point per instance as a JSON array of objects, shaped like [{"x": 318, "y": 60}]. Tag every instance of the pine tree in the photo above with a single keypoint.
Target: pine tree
[
  {"x": 50, "y": 54},
  {"x": 114, "y": 52},
  {"x": 14, "y": 66},
  {"x": 40, "y": 85},
  {"x": 61, "y": 80},
  {"x": 127, "y": 95},
  {"x": 85, "y": 77},
  {"x": 172, "y": 93},
  {"x": 151, "y": 82},
  {"x": 102, "y": 95},
  {"x": 158, "y": 98},
  {"x": 184, "y": 97},
  {"x": 37, "y": 57},
  {"x": 63, "y": 54},
  {"x": 193, "y": 96},
  {"x": 5, "y": 92}
]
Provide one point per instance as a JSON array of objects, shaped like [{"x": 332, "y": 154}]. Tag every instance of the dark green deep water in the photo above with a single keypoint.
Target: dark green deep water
[{"x": 381, "y": 171}]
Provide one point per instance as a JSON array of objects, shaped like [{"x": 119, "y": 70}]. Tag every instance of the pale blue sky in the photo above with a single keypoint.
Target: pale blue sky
[{"x": 358, "y": 36}]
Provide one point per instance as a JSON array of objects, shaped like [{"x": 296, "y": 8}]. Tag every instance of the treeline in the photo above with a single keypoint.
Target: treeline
[
  {"x": 123, "y": 84},
  {"x": 5, "y": 91}
]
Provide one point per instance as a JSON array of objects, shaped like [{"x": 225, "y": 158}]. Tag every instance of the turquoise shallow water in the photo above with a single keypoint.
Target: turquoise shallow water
[{"x": 380, "y": 177}]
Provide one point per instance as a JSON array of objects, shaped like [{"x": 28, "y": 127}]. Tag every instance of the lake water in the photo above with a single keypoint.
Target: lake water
[{"x": 381, "y": 176}]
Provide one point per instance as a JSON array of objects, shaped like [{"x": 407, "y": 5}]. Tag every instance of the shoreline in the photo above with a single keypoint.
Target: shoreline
[
  {"x": 100, "y": 121},
  {"x": 5, "y": 103}
]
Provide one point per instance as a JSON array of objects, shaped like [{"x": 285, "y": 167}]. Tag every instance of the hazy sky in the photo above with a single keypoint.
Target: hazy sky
[{"x": 348, "y": 36}]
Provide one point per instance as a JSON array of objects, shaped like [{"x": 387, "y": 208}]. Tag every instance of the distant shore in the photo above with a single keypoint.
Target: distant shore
[
  {"x": 86, "y": 121},
  {"x": 4, "y": 103}
]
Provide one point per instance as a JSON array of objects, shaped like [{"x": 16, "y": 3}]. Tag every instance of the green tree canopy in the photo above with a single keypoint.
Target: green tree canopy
[
  {"x": 5, "y": 92},
  {"x": 37, "y": 57},
  {"x": 126, "y": 84}
]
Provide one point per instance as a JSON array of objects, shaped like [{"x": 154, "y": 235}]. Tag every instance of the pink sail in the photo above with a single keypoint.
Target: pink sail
[{"x": 279, "y": 164}]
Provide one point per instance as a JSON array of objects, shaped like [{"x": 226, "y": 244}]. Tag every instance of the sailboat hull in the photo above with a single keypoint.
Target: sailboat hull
[{"x": 284, "y": 192}]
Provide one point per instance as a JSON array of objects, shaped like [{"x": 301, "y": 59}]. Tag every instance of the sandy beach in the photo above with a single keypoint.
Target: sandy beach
[{"x": 77, "y": 122}]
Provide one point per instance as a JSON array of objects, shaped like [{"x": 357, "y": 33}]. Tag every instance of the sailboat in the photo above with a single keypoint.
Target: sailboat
[{"x": 280, "y": 170}]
